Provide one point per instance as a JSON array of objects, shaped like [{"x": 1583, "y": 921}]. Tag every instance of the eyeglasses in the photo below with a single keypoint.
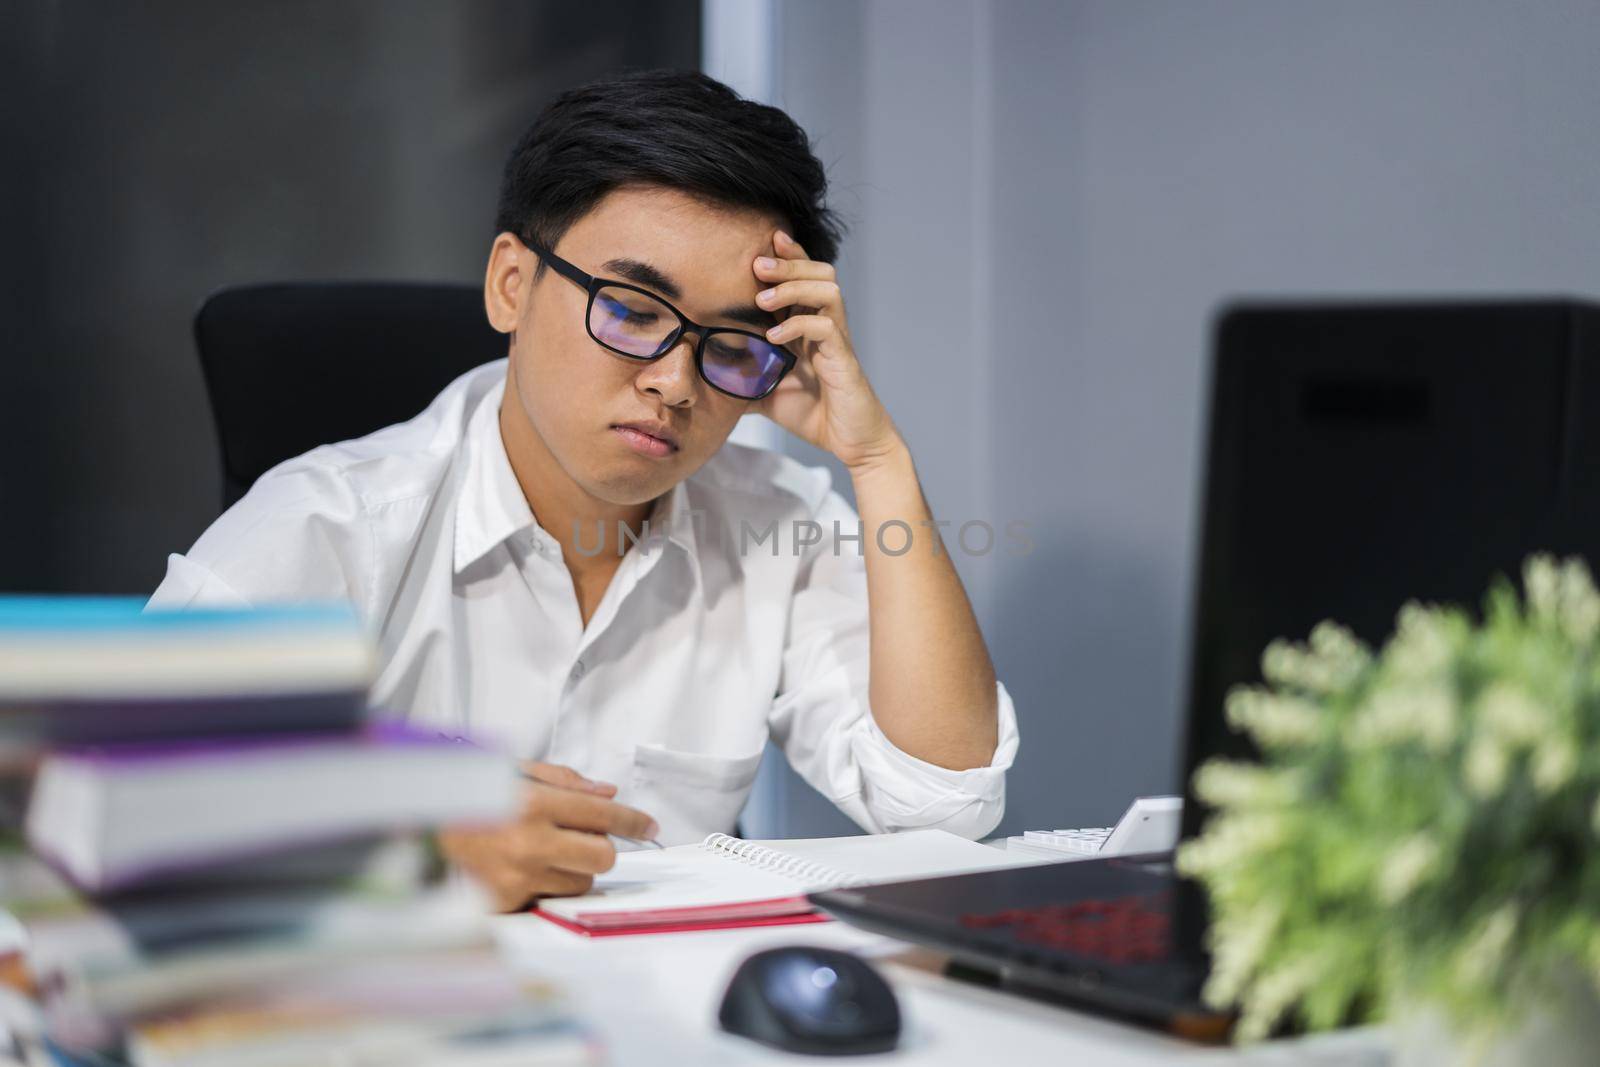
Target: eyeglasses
[{"x": 636, "y": 323}]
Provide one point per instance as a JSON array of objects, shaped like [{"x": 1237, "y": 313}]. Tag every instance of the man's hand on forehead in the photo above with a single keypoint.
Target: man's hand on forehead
[{"x": 827, "y": 400}]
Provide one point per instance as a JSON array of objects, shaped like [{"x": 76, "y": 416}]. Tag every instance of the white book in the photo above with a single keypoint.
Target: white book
[
  {"x": 113, "y": 648},
  {"x": 724, "y": 880},
  {"x": 80, "y": 670},
  {"x": 112, "y": 817}
]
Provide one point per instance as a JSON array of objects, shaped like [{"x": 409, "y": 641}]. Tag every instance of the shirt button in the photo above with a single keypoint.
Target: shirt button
[{"x": 579, "y": 669}]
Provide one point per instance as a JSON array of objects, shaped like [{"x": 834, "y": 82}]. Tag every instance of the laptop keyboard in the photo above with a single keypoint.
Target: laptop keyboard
[
  {"x": 1120, "y": 930},
  {"x": 1086, "y": 841}
]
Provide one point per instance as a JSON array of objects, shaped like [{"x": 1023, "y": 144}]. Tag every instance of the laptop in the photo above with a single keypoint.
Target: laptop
[{"x": 1360, "y": 455}]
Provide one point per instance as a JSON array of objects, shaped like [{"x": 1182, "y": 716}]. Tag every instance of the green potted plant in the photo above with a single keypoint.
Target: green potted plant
[{"x": 1420, "y": 840}]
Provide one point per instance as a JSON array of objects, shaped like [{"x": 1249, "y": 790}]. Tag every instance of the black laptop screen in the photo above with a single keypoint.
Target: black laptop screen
[{"x": 1363, "y": 456}]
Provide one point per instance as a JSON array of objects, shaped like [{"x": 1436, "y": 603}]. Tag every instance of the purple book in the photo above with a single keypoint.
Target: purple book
[{"x": 112, "y": 816}]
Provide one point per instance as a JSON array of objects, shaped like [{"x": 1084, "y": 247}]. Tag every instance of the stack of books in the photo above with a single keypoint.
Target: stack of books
[{"x": 225, "y": 857}]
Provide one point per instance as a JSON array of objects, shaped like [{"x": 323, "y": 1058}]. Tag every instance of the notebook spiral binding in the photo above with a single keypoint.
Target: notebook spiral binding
[{"x": 771, "y": 859}]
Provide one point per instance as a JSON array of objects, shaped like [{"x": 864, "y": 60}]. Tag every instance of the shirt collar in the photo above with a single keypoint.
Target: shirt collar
[
  {"x": 674, "y": 516},
  {"x": 492, "y": 506}
]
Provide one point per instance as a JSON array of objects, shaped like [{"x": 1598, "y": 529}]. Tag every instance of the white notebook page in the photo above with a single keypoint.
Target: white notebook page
[{"x": 688, "y": 876}]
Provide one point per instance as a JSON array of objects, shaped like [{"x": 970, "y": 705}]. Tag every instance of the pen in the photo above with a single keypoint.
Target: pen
[{"x": 638, "y": 843}]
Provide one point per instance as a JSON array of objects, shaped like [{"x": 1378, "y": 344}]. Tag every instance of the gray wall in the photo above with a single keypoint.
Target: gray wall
[
  {"x": 1055, "y": 198},
  {"x": 154, "y": 152}
]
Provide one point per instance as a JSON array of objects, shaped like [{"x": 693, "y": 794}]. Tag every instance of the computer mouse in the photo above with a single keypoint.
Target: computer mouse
[{"x": 801, "y": 998}]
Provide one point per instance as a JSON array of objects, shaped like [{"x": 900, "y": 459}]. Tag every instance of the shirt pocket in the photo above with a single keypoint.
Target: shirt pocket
[{"x": 691, "y": 794}]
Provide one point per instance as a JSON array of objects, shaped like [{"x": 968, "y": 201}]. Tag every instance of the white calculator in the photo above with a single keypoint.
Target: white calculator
[{"x": 1151, "y": 824}]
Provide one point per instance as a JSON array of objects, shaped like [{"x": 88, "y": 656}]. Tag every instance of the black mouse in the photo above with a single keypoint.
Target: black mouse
[{"x": 800, "y": 998}]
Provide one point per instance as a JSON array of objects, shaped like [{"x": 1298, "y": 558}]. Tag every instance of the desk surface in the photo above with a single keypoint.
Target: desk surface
[{"x": 654, "y": 999}]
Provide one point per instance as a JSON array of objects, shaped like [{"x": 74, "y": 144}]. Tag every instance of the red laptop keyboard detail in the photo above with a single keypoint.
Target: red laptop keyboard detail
[{"x": 1131, "y": 929}]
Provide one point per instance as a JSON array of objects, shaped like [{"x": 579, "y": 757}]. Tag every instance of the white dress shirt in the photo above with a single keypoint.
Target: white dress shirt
[{"x": 701, "y": 648}]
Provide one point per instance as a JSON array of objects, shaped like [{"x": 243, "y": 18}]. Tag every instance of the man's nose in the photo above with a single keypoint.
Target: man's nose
[{"x": 672, "y": 376}]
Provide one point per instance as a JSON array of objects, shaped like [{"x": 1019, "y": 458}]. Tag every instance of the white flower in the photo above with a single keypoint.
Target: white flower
[
  {"x": 1564, "y": 594},
  {"x": 1554, "y": 763},
  {"x": 1484, "y": 952},
  {"x": 1581, "y": 620},
  {"x": 1407, "y": 866},
  {"x": 1425, "y": 713},
  {"x": 1420, "y": 646},
  {"x": 1275, "y": 991},
  {"x": 1336, "y": 645},
  {"x": 1274, "y": 721},
  {"x": 1486, "y": 766},
  {"x": 1543, "y": 585},
  {"x": 1580, "y": 606},
  {"x": 1232, "y": 784},
  {"x": 1330, "y": 662},
  {"x": 1506, "y": 711},
  {"x": 1237, "y": 947},
  {"x": 1230, "y": 840}
]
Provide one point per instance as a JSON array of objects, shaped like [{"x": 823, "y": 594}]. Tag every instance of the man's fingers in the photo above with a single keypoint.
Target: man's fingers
[
  {"x": 786, "y": 245},
  {"x": 797, "y": 296},
  {"x": 580, "y": 811},
  {"x": 582, "y": 853},
  {"x": 531, "y": 849},
  {"x": 566, "y": 778},
  {"x": 514, "y": 889},
  {"x": 527, "y": 853},
  {"x": 557, "y": 883},
  {"x": 630, "y": 822},
  {"x": 788, "y": 269},
  {"x": 552, "y": 774}
]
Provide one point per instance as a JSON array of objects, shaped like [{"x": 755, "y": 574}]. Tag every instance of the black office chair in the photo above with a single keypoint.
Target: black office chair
[{"x": 293, "y": 365}]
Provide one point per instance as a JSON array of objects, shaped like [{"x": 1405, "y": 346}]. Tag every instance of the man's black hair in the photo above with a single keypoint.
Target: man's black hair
[{"x": 676, "y": 128}]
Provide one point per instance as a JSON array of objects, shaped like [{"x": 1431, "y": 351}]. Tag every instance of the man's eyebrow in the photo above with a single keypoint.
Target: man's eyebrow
[{"x": 644, "y": 274}]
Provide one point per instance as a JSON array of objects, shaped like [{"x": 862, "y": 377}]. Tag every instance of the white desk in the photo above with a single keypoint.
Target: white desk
[{"x": 654, "y": 1000}]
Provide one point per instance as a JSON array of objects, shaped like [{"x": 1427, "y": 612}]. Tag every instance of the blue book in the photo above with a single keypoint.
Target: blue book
[{"x": 93, "y": 669}]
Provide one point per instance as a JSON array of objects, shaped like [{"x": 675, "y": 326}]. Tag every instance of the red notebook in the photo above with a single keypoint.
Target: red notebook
[{"x": 725, "y": 882}]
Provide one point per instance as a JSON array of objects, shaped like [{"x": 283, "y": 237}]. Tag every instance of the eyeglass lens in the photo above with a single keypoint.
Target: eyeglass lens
[{"x": 638, "y": 325}]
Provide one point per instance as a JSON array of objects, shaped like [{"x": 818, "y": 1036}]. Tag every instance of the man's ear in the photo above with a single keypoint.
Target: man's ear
[{"x": 507, "y": 282}]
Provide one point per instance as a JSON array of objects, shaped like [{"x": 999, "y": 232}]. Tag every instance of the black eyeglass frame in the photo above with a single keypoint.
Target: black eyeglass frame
[{"x": 592, "y": 285}]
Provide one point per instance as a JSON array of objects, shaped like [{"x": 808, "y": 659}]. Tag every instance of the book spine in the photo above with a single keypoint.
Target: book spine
[{"x": 45, "y": 724}]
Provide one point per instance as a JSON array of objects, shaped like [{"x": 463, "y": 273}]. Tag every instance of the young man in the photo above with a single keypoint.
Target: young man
[{"x": 562, "y": 557}]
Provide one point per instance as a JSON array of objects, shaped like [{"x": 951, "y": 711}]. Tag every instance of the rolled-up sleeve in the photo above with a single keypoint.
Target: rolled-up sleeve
[{"x": 823, "y": 722}]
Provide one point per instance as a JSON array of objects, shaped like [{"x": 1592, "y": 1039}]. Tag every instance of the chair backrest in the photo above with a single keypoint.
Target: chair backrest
[{"x": 289, "y": 366}]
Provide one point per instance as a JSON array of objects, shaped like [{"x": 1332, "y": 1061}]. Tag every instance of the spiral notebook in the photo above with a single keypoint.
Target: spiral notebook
[{"x": 724, "y": 881}]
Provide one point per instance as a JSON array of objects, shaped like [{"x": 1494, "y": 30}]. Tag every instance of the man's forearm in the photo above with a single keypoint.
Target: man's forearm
[{"x": 932, "y": 683}]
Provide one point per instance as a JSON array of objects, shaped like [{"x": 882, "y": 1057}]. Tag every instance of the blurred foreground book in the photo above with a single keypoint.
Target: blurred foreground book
[
  {"x": 384, "y": 965},
  {"x": 82, "y": 669},
  {"x": 116, "y": 815},
  {"x": 459, "y": 1008},
  {"x": 228, "y": 861}
]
